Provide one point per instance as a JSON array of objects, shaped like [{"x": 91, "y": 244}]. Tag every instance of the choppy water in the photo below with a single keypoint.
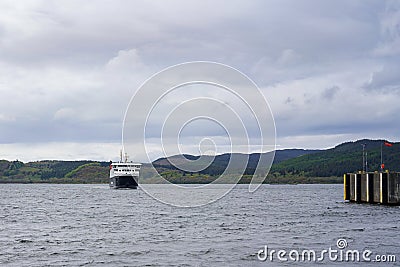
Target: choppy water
[{"x": 92, "y": 225}]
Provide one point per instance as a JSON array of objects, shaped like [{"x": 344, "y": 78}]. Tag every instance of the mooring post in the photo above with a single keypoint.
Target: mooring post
[
  {"x": 370, "y": 187},
  {"x": 383, "y": 187},
  {"x": 393, "y": 188},
  {"x": 346, "y": 186}
]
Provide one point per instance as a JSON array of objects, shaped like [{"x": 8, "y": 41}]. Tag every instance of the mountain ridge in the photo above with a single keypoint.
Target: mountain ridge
[{"x": 291, "y": 164}]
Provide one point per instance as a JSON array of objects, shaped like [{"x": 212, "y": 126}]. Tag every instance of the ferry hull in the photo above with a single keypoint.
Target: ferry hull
[{"x": 117, "y": 182}]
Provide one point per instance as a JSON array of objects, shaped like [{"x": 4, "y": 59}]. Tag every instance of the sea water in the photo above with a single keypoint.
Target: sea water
[{"x": 93, "y": 225}]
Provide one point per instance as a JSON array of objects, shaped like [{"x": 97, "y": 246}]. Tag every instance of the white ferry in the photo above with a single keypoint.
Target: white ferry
[{"x": 124, "y": 174}]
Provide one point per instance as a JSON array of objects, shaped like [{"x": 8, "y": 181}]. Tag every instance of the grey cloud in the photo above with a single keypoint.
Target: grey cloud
[
  {"x": 329, "y": 93},
  {"x": 289, "y": 100},
  {"x": 388, "y": 78},
  {"x": 69, "y": 68},
  {"x": 389, "y": 44}
]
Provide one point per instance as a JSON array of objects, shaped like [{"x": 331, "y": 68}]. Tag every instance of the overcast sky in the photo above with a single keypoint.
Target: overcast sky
[{"x": 330, "y": 70}]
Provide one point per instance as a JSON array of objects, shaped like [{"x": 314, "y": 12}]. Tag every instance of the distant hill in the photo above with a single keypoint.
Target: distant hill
[
  {"x": 290, "y": 166},
  {"x": 346, "y": 157},
  {"x": 280, "y": 155},
  {"x": 220, "y": 162},
  {"x": 53, "y": 171}
]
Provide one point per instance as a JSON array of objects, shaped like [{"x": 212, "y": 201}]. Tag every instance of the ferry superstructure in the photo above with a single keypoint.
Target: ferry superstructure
[{"x": 124, "y": 174}]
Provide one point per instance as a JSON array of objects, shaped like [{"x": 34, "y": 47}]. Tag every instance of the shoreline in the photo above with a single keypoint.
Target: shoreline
[{"x": 293, "y": 183}]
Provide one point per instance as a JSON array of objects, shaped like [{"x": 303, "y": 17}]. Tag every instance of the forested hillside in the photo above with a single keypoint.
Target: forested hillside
[
  {"x": 53, "y": 172},
  {"x": 346, "y": 157},
  {"x": 290, "y": 166},
  {"x": 305, "y": 164}
]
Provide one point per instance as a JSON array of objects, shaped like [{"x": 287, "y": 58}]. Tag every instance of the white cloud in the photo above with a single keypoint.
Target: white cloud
[
  {"x": 125, "y": 61},
  {"x": 385, "y": 79},
  {"x": 288, "y": 57},
  {"x": 6, "y": 118},
  {"x": 65, "y": 113}
]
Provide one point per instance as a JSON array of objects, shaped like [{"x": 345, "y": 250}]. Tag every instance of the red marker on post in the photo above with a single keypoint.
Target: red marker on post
[{"x": 388, "y": 144}]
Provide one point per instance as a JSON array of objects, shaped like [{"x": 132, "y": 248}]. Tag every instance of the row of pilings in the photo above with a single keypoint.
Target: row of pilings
[{"x": 372, "y": 187}]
